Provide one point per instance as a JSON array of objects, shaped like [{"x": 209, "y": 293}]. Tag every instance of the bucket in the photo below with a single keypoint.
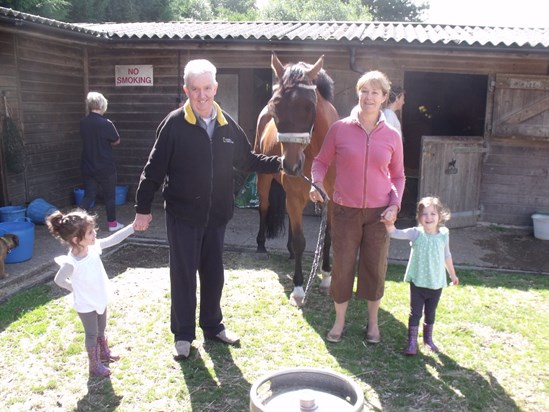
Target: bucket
[
  {"x": 12, "y": 213},
  {"x": 121, "y": 194},
  {"x": 541, "y": 225},
  {"x": 25, "y": 232},
  {"x": 38, "y": 210},
  {"x": 306, "y": 389},
  {"x": 79, "y": 195}
]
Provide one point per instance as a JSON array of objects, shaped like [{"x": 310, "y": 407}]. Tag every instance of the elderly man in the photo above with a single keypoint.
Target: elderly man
[{"x": 196, "y": 148}]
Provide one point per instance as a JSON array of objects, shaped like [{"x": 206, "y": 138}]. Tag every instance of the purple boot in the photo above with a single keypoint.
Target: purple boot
[
  {"x": 96, "y": 367},
  {"x": 105, "y": 353},
  {"x": 428, "y": 337},
  {"x": 411, "y": 347}
]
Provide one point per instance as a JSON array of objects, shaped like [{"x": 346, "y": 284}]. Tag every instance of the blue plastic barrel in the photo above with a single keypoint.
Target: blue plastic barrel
[
  {"x": 25, "y": 232},
  {"x": 38, "y": 210},
  {"x": 121, "y": 194},
  {"x": 79, "y": 195},
  {"x": 12, "y": 213}
]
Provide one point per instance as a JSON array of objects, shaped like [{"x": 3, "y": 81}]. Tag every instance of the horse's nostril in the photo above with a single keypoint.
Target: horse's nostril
[{"x": 291, "y": 169}]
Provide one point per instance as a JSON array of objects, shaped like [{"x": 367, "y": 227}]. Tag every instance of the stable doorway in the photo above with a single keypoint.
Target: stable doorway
[{"x": 446, "y": 107}]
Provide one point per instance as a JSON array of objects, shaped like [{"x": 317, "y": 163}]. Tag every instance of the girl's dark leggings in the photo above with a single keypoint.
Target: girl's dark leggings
[
  {"x": 94, "y": 326},
  {"x": 421, "y": 298}
]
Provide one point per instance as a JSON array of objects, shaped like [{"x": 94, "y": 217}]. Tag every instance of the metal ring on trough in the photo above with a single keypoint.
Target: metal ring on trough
[{"x": 305, "y": 389}]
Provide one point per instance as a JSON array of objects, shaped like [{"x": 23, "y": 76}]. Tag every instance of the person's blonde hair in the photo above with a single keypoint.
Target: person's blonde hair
[
  {"x": 96, "y": 101},
  {"x": 443, "y": 212},
  {"x": 376, "y": 79}
]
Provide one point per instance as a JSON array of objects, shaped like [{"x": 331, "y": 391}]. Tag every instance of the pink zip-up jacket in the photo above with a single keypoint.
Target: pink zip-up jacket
[{"x": 369, "y": 168}]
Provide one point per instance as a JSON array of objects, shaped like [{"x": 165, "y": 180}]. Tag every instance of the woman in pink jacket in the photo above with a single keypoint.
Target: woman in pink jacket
[{"x": 369, "y": 183}]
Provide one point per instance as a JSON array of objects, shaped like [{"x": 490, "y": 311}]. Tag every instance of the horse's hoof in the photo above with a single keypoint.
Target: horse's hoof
[
  {"x": 297, "y": 296},
  {"x": 296, "y": 301},
  {"x": 326, "y": 282},
  {"x": 324, "y": 290},
  {"x": 262, "y": 256}
]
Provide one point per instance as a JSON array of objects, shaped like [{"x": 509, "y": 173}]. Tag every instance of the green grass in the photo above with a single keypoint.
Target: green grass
[{"x": 492, "y": 330}]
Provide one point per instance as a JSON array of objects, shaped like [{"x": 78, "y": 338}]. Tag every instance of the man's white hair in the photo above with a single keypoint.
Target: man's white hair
[{"x": 197, "y": 67}]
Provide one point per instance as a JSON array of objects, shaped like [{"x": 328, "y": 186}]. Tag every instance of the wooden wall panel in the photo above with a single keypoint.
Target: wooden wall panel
[
  {"x": 136, "y": 111},
  {"x": 12, "y": 185},
  {"x": 515, "y": 182},
  {"x": 51, "y": 79}
]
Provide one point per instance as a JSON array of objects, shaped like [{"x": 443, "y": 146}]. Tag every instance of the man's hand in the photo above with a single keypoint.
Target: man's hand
[{"x": 141, "y": 222}]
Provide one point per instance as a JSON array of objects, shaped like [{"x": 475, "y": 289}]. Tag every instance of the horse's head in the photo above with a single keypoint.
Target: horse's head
[{"x": 293, "y": 108}]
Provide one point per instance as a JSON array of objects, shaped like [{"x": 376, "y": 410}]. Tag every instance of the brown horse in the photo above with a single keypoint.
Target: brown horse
[{"x": 293, "y": 126}]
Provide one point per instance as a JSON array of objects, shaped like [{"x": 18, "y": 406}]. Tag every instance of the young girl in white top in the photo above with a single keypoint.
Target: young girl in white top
[
  {"x": 83, "y": 274},
  {"x": 430, "y": 257}
]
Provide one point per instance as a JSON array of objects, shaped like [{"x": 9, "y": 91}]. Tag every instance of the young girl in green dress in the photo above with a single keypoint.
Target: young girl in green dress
[{"x": 430, "y": 258}]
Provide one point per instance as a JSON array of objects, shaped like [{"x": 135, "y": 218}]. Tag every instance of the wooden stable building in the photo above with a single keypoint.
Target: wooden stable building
[{"x": 475, "y": 122}]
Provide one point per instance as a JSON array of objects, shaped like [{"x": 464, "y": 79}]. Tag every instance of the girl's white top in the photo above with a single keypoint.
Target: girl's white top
[{"x": 85, "y": 276}]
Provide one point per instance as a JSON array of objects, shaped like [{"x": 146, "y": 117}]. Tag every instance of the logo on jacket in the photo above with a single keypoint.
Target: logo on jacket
[{"x": 228, "y": 140}]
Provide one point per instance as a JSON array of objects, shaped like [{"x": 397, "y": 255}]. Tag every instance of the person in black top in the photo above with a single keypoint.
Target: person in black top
[
  {"x": 196, "y": 148},
  {"x": 97, "y": 163}
]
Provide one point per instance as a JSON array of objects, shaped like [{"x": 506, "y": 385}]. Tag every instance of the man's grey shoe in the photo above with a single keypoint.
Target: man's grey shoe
[
  {"x": 226, "y": 337},
  {"x": 182, "y": 349}
]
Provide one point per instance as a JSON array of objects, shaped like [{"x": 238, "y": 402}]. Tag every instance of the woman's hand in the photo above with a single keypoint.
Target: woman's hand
[
  {"x": 389, "y": 215},
  {"x": 315, "y": 195}
]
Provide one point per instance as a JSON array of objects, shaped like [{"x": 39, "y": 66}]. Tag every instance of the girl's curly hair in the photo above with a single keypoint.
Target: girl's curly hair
[
  {"x": 67, "y": 226},
  {"x": 442, "y": 210}
]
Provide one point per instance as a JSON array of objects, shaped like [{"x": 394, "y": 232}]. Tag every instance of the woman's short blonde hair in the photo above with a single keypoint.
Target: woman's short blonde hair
[{"x": 376, "y": 79}]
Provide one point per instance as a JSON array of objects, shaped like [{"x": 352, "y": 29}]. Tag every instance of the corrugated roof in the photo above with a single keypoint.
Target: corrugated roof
[
  {"x": 18, "y": 18},
  {"x": 334, "y": 32}
]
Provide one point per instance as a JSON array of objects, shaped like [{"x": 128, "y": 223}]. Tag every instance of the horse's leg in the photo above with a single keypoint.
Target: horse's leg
[
  {"x": 263, "y": 187},
  {"x": 295, "y": 212},
  {"x": 289, "y": 243}
]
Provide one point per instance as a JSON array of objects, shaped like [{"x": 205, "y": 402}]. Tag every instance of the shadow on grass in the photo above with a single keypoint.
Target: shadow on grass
[
  {"x": 208, "y": 388},
  {"x": 100, "y": 396},
  {"x": 426, "y": 381}
]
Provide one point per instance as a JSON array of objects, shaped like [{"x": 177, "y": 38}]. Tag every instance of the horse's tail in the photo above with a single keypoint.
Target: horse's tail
[{"x": 277, "y": 211}]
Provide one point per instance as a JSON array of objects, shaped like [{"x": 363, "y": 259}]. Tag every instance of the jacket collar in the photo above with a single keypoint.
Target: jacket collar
[{"x": 191, "y": 118}]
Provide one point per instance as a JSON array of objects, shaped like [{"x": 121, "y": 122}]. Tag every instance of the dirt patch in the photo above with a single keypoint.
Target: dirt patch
[{"x": 505, "y": 250}]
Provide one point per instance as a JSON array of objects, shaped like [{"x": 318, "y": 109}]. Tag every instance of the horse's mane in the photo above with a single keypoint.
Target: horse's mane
[{"x": 295, "y": 73}]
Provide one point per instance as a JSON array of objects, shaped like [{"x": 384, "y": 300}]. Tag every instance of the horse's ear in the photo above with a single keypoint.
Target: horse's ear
[
  {"x": 313, "y": 71},
  {"x": 277, "y": 66}
]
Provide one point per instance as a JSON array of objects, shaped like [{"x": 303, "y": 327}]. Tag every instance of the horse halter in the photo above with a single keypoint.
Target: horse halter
[{"x": 298, "y": 137}]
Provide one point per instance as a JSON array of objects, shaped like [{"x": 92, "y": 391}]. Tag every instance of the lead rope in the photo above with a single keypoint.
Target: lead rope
[{"x": 320, "y": 241}]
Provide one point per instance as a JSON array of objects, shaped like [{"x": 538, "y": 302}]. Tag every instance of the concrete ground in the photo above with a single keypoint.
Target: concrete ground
[{"x": 481, "y": 247}]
